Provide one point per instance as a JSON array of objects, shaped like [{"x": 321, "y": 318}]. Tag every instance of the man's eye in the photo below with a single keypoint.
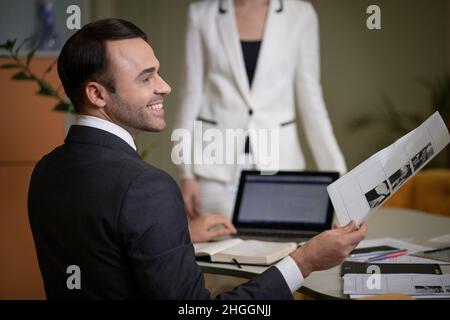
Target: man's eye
[{"x": 146, "y": 79}]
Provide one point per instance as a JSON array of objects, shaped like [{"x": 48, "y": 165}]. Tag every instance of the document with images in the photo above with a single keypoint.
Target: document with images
[
  {"x": 410, "y": 284},
  {"x": 244, "y": 251},
  {"x": 365, "y": 188}
]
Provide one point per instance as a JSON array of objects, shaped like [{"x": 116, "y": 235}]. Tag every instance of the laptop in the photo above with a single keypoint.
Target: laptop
[{"x": 287, "y": 206}]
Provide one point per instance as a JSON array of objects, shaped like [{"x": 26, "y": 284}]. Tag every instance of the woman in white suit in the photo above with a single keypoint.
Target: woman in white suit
[{"x": 251, "y": 64}]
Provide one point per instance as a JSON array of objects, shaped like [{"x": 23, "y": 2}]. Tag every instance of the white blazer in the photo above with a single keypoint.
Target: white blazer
[{"x": 215, "y": 87}]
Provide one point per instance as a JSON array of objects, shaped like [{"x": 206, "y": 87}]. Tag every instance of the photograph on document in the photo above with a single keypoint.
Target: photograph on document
[
  {"x": 422, "y": 156},
  {"x": 420, "y": 148},
  {"x": 400, "y": 176},
  {"x": 374, "y": 185},
  {"x": 377, "y": 195},
  {"x": 397, "y": 167},
  {"x": 428, "y": 289}
]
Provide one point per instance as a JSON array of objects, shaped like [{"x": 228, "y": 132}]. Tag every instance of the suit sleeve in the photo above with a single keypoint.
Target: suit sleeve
[
  {"x": 154, "y": 232},
  {"x": 310, "y": 102},
  {"x": 191, "y": 89}
]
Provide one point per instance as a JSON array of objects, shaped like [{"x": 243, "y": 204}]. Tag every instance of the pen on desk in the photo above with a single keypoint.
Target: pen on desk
[
  {"x": 388, "y": 256},
  {"x": 373, "y": 253},
  {"x": 437, "y": 250}
]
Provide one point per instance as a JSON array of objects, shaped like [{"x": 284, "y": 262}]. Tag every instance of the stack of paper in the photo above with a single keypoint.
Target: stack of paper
[
  {"x": 368, "y": 283},
  {"x": 416, "y": 285}
]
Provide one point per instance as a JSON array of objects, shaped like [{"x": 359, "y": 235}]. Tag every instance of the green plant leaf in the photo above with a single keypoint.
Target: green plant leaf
[
  {"x": 414, "y": 119},
  {"x": 362, "y": 122},
  {"x": 144, "y": 153},
  {"x": 439, "y": 89},
  {"x": 20, "y": 46},
  {"x": 45, "y": 89},
  {"x": 22, "y": 76},
  {"x": 8, "y": 45},
  {"x": 62, "y": 107},
  {"x": 30, "y": 56},
  {"x": 10, "y": 66},
  {"x": 49, "y": 68}
]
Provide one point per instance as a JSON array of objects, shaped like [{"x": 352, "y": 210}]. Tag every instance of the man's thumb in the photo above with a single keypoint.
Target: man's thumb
[{"x": 349, "y": 227}]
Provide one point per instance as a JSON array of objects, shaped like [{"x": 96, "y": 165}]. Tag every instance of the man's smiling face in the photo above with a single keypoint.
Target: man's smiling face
[{"x": 137, "y": 103}]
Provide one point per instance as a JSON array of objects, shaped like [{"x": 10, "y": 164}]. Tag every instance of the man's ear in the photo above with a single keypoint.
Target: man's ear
[{"x": 95, "y": 94}]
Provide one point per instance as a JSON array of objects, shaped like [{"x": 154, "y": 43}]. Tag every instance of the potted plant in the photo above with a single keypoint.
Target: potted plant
[
  {"x": 399, "y": 123},
  {"x": 25, "y": 73}
]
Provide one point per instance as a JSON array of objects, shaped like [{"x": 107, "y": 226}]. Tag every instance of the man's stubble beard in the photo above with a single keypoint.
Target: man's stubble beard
[{"x": 132, "y": 117}]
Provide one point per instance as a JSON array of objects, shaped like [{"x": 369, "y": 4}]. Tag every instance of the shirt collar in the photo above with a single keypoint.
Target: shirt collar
[{"x": 90, "y": 121}]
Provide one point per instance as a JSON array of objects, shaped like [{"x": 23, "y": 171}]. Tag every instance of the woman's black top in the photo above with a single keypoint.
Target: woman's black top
[{"x": 250, "y": 50}]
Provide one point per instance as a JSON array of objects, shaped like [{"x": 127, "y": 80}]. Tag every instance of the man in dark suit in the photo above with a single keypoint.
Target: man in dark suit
[{"x": 95, "y": 206}]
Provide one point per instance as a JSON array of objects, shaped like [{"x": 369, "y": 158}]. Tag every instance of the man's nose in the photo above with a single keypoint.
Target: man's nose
[{"x": 163, "y": 87}]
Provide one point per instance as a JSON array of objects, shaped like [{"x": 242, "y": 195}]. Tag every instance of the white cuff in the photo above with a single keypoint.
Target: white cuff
[{"x": 291, "y": 273}]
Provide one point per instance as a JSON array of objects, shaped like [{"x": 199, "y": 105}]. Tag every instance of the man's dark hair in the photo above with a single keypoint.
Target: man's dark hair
[{"x": 83, "y": 57}]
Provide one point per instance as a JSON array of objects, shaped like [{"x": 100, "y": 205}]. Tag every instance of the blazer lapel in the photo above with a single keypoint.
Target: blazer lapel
[
  {"x": 272, "y": 31},
  {"x": 230, "y": 37}
]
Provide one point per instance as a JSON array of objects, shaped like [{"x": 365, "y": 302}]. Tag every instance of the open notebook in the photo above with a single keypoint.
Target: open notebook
[{"x": 244, "y": 251}]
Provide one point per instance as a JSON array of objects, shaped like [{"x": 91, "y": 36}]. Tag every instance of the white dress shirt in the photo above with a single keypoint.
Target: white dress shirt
[
  {"x": 288, "y": 268},
  {"x": 291, "y": 273},
  {"x": 90, "y": 121}
]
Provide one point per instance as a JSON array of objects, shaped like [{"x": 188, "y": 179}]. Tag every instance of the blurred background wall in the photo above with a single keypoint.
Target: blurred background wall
[
  {"x": 365, "y": 75},
  {"x": 363, "y": 71}
]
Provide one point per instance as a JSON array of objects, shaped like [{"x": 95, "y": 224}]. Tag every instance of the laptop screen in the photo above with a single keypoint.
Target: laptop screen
[{"x": 286, "y": 200}]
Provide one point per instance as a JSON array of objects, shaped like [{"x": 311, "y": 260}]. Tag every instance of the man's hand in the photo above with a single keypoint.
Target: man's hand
[
  {"x": 191, "y": 196},
  {"x": 328, "y": 249},
  {"x": 205, "y": 227}
]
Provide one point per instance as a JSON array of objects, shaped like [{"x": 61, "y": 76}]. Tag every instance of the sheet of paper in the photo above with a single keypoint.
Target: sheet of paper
[
  {"x": 362, "y": 190},
  {"x": 442, "y": 255},
  {"x": 215, "y": 246},
  {"x": 411, "y": 284},
  {"x": 445, "y": 238}
]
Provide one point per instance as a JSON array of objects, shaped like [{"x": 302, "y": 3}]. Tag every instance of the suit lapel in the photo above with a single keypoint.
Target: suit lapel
[
  {"x": 272, "y": 31},
  {"x": 230, "y": 37}
]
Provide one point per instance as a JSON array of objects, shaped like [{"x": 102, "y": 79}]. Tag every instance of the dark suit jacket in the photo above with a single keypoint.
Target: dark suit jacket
[{"x": 94, "y": 203}]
